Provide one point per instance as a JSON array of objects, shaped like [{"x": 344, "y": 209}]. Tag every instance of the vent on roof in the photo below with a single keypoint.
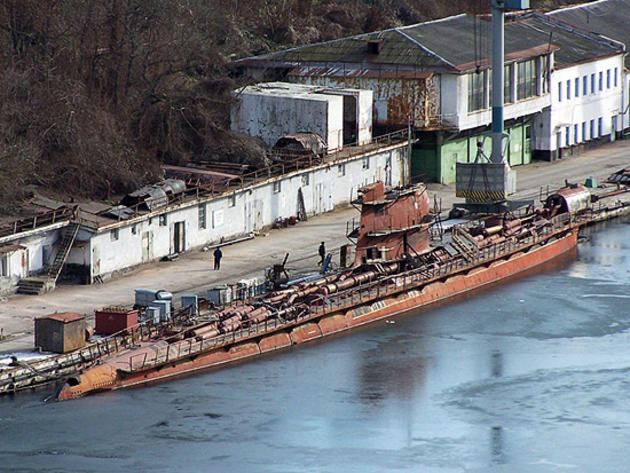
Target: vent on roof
[{"x": 374, "y": 46}]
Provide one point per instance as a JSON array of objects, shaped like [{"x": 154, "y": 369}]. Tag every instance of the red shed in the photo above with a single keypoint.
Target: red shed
[{"x": 111, "y": 320}]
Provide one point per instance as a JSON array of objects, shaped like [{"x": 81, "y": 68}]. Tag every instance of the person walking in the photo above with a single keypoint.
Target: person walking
[
  {"x": 322, "y": 253},
  {"x": 218, "y": 254}
]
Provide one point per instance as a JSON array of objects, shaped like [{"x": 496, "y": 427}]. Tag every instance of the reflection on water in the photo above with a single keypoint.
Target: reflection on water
[{"x": 531, "y": 376}]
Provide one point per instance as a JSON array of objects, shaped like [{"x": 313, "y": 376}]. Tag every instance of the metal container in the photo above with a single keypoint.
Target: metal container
[
  {"x": 220, "y": 295},
  {"x": 153, "y": 314},
  {"x": 144, "y": 297},
  {"x": 190, "y": 301},
  {"x": 111, "y": 320},
  {"x": 60, "y": 333},
  {"x": 165, "y": 309}
]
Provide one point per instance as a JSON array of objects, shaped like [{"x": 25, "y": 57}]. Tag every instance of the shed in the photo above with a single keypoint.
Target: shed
[
  {"x": 61, "y": 332},
  {"x": 110, "y": 320}
]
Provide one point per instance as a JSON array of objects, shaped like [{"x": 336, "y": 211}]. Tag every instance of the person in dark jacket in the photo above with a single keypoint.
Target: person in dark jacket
[
  {"x": 218, "y": 254},
  {"x": 322, "y": 253}
]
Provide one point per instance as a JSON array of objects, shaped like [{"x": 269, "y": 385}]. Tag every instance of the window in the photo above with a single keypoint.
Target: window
[
  {"x": 526, "y": 79},
  {"x": 507, "y": 83},
  {"x": 477, "y": 91},
  {"x": 592, "y": 129},
  {"x": 306, "y": 178},
  {"x": 567, "y": 138},
  {"x": 559, "y": 91},
  {"x": 601, "y": 81},
  {"x": 576, "y": 138},
  {"x": 608, "y": 78},
  {"x": 577, "y": 86},
  {"x": 134, "y": 229},
  {"x": 4, "y": 265},
  {"x": 585, "y": 85},
  {"x": 544, "y": 74},
  {"x": 615, "y": 77},
  {"x": 113, "y": 235},
  {"x": 277, "y": 187},
  {"x": 599, "y": 127},
  {"x": 568, "y": 90},
  {"x": 232, "y": 200},
  {"x": 201, "y": 211},
  {"x": 341, "y": 170},
  {"x": 593, "y": 83},
  {"x": 217, "y": 218},
  {"x": 584, "y": 137},
  {"x": 162, "y": 220},
  {"x": 366, "y": 163},
  {"x": 528, "y": 132}
]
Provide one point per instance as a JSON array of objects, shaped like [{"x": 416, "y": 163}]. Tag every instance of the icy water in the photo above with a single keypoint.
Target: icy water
[{"x": 529, "y": 376}]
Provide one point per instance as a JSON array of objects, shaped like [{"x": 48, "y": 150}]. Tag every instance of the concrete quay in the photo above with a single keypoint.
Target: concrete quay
[{"x": 192, "y": 272}]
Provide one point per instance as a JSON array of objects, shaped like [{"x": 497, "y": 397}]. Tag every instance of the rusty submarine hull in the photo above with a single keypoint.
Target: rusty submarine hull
[{"x": 396, "y": 271}]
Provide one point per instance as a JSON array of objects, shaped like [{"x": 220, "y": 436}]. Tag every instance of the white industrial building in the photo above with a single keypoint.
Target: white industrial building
[
  {"x": 436, "y": 77},
  {"x": 106, "y": 244},
  {"x": 275, "y": 109},
  {"x": 586, "y": 106},
  {"x": 609, "y": 20}
]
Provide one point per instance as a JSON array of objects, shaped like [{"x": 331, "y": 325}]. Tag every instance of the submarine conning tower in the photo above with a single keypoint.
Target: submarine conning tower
[{"x": 393, "y": 223}]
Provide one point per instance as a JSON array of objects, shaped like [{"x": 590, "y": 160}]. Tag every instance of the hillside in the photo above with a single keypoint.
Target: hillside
[{"x": 95, "y": 95}]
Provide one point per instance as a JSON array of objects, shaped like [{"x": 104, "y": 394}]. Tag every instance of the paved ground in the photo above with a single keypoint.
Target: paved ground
[{"x": 192, "y": 272}]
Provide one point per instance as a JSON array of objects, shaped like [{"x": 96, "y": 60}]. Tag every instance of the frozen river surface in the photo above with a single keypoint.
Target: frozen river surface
[{"x": 528, "y": 376}]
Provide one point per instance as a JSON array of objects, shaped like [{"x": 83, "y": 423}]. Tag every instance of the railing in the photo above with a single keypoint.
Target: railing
[
  {"x": 275, "y": 170},
  {"x": 49, "y": 369},
  {"x": 370, "y": 291},
  {"x": 40, "y": 220}
]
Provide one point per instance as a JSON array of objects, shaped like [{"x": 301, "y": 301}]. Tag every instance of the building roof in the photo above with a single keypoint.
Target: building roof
[
  {"x": 457, "y": 44},
  {"x": 64, "y": 317},
  {"x": 573, "y": 46},
  {"x": 395, "y": 48},
  {"x": 608, "y": 18}
]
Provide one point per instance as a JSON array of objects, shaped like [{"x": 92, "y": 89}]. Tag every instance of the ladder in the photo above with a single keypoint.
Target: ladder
[{"x": 68, "y": 236}]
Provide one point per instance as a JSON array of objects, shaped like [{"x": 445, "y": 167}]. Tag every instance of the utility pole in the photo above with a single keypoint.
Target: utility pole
[
  {"x": 498, "y": 53},
  {"x": 487, "y": 185}
]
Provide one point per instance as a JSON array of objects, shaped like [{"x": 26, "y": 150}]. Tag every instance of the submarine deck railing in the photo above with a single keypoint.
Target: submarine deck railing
[
  {"x": 381, "y": 287},
  {"x": 40, "y": 372}
]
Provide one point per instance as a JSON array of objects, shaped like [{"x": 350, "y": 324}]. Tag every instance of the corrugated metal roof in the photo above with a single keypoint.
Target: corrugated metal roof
[
  {"x": 609, "y": 18},
  {"x": 448, "y": 45},
  {"x": 340, "y": 71},
  {"x": 65, "y": 317},
  {"x": 574, "y": 46},
  {"x": 395, "y": 49}
]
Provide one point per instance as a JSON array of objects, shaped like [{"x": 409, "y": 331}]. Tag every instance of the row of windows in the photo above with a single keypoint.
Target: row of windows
[
  {"x": 519, "y": 83},
  {"x": 580, "y": 133},
  {"x": 114, "y": 234},
  {"x": 582, "y": 86}
]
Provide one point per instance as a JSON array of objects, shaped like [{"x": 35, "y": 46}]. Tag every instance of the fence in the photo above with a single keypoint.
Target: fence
[
  {"x": 275, "y": 170},
  {"x": 39, "y": 220}
]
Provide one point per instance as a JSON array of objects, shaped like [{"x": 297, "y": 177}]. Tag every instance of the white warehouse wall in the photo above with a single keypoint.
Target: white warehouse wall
[
  {"x": 238, "y": 213},
  {"x": 273, "y": 116},
  {"x": 38, "y": 244},
  {"x": 363, "y": 110},
  {"x": 606, "y": 104}
]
